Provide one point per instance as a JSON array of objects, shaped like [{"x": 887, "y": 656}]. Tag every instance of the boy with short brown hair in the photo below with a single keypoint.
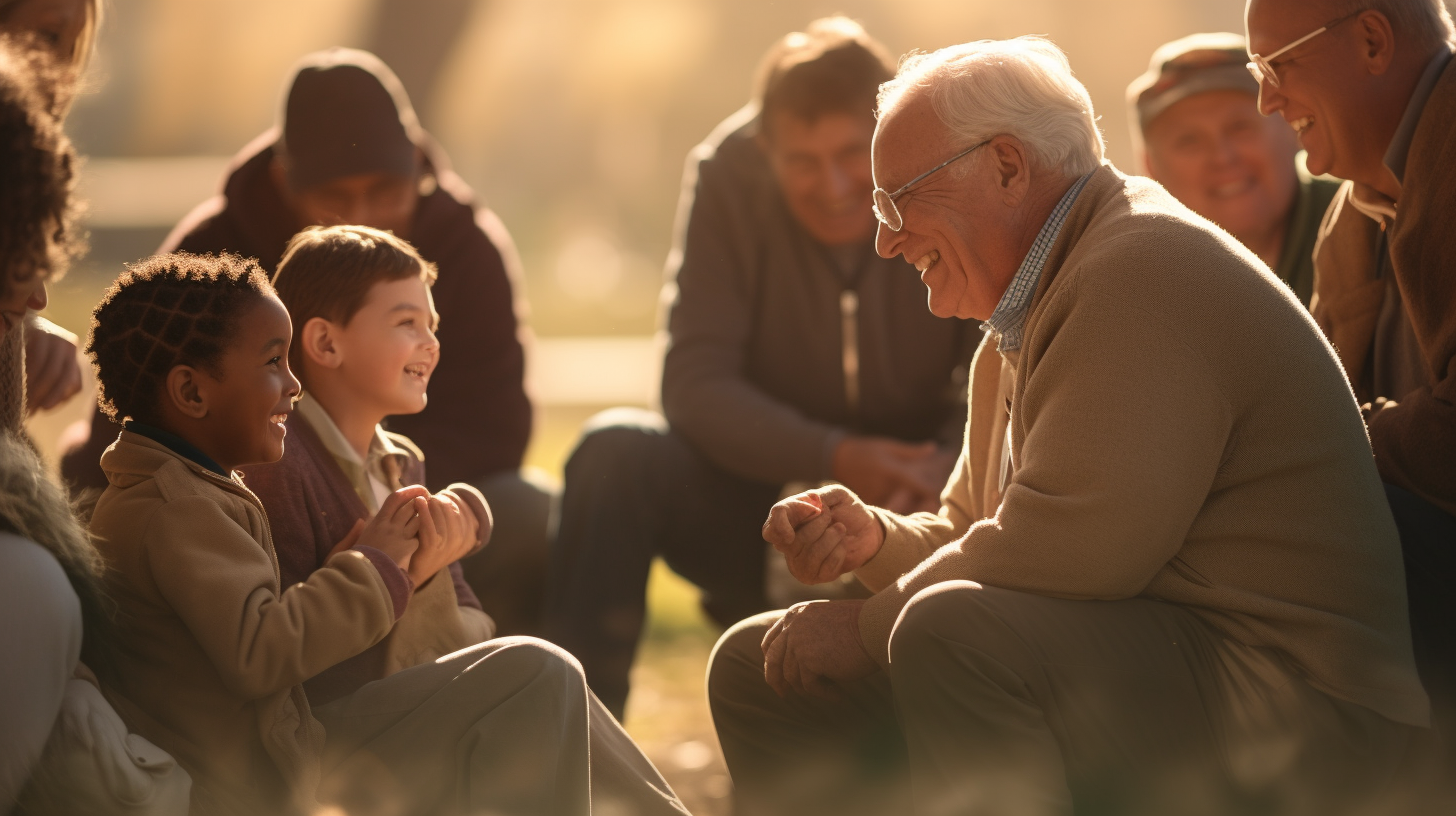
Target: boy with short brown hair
[{"x": 364, "y": 349}]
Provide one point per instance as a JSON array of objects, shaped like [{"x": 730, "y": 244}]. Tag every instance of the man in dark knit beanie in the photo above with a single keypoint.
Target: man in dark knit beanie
[{"x": 349, "y": 150}]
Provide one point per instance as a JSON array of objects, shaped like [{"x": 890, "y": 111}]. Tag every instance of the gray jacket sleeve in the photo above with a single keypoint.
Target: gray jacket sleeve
[
  {"x": 41, "y": 644},
  {"x": 711, "y": 289}
]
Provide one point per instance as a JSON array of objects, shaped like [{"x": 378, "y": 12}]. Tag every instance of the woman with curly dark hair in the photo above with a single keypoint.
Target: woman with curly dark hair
[
  {"x": 48, "y": 569},
  {"x": 50, "y": 597},
  {"x": 66, "y": 31},
  {"x": 65, "y": 28}
]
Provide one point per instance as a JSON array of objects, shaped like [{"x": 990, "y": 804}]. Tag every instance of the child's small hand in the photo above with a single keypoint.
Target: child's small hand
[
  {"x": 470, "y": 513},
  {"x": 447, "y": 533},
  {"x": 395, "y": 529},
  {"x": 476, "y": 507}
]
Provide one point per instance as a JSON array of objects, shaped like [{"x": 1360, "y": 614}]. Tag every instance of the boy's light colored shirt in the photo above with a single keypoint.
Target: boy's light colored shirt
[{"x": 375, "y": 476}]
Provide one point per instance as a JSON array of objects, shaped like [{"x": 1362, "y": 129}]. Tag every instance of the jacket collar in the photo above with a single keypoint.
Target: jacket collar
[
  {"x": 1400, "y": 144},
  {"x": 384, "y": 460},
  {"x": 1374, "y": 204},
  {"x": 1104, "y": 183},
  {"x": 134, "y": 458},
  {"x": 177, "y": 445}
]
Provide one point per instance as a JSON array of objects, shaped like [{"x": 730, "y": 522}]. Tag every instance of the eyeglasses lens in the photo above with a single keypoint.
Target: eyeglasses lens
[
  {"x": 886, "y": 211},
  {"x": 1263, "y": 71}
]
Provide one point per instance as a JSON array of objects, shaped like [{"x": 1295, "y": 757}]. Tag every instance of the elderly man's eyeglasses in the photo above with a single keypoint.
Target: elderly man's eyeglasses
[
  {"x": 1263, "y": 67},
  {"x": 885, "y": 209}
]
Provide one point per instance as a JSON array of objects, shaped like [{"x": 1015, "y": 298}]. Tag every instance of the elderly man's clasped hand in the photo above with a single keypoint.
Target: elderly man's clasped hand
[
  {"x": 815, "y": 646},
  {"x": 823, "y": 534}
]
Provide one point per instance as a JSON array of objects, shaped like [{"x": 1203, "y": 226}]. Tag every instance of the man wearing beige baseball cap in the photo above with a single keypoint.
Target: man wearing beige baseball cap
[{"x": 1196, "y": 118}]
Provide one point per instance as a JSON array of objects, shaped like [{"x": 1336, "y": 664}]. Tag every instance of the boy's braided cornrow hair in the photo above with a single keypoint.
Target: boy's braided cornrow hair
[{"x": 162, "y": 312}]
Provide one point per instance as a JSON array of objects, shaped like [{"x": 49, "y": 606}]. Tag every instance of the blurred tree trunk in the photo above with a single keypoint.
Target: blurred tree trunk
[{"x": 416, "y": 38}]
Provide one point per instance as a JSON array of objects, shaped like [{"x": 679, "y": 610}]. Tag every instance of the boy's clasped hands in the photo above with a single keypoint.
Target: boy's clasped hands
[{"x": 422, "y": 532}]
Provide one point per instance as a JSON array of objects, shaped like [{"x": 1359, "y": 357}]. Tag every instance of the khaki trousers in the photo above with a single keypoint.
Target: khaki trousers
[
  {"x": 1000, "y": 702},
  {"x": 503, "y": 728}
]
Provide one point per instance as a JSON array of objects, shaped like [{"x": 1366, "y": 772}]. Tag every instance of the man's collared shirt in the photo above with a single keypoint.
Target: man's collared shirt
[
  {"x": 374, "y": 477},
  {"x": 1010, "y": 314},
  {"x": 1370, "y": 201}
]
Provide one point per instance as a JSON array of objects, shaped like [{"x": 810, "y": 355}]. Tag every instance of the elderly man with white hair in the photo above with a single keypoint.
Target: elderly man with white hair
[{"x": 1163, "y": 578}]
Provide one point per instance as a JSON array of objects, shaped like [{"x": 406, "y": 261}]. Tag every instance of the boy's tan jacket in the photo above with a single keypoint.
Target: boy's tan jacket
[
  {"x": 210, "y": 656},
  {"x": 1179, "y": 430}
]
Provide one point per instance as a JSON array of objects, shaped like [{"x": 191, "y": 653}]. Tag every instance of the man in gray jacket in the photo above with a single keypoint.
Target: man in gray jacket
[{"x": 795, "y": 355}]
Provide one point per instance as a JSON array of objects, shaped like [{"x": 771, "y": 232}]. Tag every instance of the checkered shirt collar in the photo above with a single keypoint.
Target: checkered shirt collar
[{"x": 1010, "y": 314}]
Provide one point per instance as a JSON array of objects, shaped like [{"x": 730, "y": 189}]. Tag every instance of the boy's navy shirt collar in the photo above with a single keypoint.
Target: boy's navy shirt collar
[{"x": 177, "y": 444}]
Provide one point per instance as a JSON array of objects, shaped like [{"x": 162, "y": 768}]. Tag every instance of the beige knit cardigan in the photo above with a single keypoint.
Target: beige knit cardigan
[{"x": 1179, "y": 430}]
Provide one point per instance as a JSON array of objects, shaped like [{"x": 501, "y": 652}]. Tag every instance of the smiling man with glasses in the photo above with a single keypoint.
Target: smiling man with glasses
[
  {"x": 1372, "y": 94},
  {"x": 795, "y": 355},
  {"x": 1164, "y": 549}
]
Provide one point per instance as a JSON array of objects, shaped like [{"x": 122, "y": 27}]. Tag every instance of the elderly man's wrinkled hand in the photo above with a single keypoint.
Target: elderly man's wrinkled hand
[
  {"x": 823, "y": 533},
  {"x": 815, "y": 647}
]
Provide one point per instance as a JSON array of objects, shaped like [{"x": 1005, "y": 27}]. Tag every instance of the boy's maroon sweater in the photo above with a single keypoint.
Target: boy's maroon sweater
[{"x": 311, "y": 507}]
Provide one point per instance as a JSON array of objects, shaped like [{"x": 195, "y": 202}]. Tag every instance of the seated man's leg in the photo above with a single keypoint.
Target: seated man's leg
[
  {"x": 1428, "y": 540},
  {"x": 509, "y": 575},
  {"x": 1014, "y": 703},
  {"x": 507, "y": 726},
  {"x": 634, "y": 490},
  {"x": 803, "y": 755}
]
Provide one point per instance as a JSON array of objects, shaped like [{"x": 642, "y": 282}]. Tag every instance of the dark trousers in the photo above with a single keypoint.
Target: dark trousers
[
  {"x": 635, "y": 490},
  {"x": 1428, "y": 540}
]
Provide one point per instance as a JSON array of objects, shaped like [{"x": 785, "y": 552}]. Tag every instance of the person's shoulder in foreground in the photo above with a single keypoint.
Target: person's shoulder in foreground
[{"x": 191, "y": 351}]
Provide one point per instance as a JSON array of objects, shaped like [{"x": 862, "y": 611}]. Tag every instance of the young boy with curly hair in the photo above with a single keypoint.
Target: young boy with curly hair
[
  {"x": 365, "y": 349},
  {"x": 211, "y": 649}
]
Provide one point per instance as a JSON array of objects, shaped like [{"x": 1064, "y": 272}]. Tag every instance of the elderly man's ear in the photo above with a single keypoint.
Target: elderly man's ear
[
  {"x": 1011, "y": 167},
  {"x": 1377, "y": 41}
]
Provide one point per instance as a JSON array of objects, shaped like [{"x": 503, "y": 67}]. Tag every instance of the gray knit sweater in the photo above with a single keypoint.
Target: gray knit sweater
[{"x": 755, "y": 374}]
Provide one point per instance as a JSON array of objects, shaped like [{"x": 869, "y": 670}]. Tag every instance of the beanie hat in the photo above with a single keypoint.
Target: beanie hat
[{"x": 346, "y": 113}]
